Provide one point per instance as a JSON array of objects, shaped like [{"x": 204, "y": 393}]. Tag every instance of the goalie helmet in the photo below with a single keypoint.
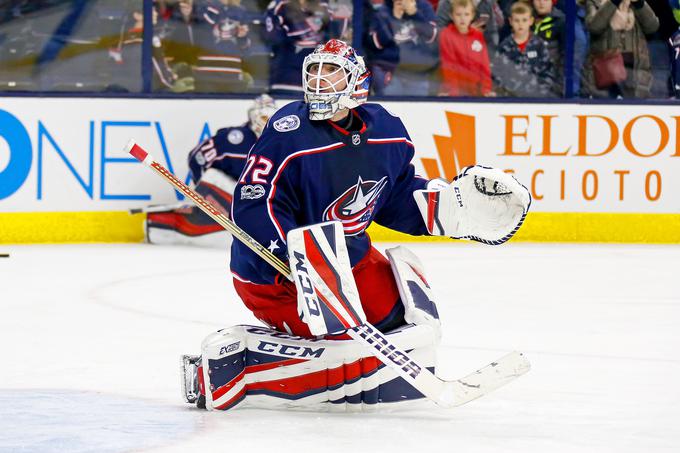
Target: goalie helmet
[
  {"x": 259, "y": 113},
  {"x": 334, "y": 78}
]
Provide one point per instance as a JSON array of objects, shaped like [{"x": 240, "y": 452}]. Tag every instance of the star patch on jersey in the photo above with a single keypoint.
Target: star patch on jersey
[
  {"x": 273, "y": 245},
  {"x": 235, "y": 137},
  {"x": 354, "y": 208},
  {"x": 287, "y": 123}
]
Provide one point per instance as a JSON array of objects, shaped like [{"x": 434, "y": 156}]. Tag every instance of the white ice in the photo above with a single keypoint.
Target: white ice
[{"x": 90, "y": 337}]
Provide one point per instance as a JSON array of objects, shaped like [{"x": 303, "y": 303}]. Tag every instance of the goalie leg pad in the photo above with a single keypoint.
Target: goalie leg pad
[
  {"x": 247, "y": 366},
  {"x": 415, "y": 292},
  {"x": 327, "y": 293},
  {"x": 277, "y": 305},
  {"x": 190, "y": 225}
]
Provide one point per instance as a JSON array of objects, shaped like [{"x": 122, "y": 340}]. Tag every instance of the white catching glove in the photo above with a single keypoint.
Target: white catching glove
[{"x": 482, "y": 204}]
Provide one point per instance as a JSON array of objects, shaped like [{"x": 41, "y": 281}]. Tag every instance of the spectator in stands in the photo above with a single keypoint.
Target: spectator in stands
[
  {"x": 581, "y": 45},
  {"x": 404, "y": 48},
  {"x": 522, "y": 65},
  {"x": 674, "y": 47},
  {"x": 219, "y": 64},
  {"x": 618, "y": 65},
  {"x": 127, "y": 55},
  {"x": 550, "y": 25},
  {"x": 166, "y": 8},
  {"x": 294, "y": 28},
  {"x": 183, "y": 33},
  {"x": 488, "y": 18},
  {"x": 464, "y": 64}
]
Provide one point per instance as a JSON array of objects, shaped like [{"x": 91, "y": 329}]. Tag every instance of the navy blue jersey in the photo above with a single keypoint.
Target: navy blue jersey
[
  {"x": 226, "y": 151},
  {"x": 303, "y": 172},
  {"x": 674, "y": 46},
  {"x": 294, "y": 31}
]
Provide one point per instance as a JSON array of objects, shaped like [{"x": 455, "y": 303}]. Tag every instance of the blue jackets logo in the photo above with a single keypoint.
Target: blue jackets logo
[{"x": 355, "y": 207}]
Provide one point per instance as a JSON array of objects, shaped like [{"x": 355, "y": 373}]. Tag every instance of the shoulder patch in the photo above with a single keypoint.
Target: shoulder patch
[
  {"x": 287, "y": 123},
  {"x": 235, "y": 137}
]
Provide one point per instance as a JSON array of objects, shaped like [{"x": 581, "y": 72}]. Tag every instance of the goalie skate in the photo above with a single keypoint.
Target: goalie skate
[{"x": 189, "y": 373}]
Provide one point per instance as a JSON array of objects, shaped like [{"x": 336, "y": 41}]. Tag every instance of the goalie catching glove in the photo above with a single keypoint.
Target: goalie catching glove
[{"x": 482, "y": 204}]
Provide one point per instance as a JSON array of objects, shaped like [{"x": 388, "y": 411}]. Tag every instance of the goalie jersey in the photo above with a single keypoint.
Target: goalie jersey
[
  {"x": 302, "y": 172},
  {"x": 225, "y": 151}
]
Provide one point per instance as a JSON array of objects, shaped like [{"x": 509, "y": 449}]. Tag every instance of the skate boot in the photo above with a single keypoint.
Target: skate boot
[{"x": 191, "y": 393}]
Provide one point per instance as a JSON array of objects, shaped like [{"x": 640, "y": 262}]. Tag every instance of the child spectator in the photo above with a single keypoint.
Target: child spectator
[
  {"x": 464, "y": 55},
  {"x": 550, "y": 25},
  {"x": 488, "y": 19},
  {"x": 523, "y": 66}
]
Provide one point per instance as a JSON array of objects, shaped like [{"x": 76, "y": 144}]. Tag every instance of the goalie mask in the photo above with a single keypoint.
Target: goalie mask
[
  {"x": 334, "y": 78},
  {"x": 259, "y": 113}
]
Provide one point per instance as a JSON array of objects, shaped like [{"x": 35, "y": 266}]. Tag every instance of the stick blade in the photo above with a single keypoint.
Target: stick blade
[{"x": 485, "y": 380}]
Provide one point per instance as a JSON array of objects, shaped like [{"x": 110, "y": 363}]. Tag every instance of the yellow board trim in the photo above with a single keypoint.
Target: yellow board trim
[
  {"x": 119, "y": 226},
  {"x": 73, "y": 227},
  {"x": 575, "y": 227}
]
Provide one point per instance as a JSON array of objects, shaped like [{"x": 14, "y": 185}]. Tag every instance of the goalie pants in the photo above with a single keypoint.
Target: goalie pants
[{"x": 276, "y": 305}]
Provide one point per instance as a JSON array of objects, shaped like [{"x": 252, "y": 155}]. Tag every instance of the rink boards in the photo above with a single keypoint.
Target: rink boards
[{"x": 597, "y": 173}]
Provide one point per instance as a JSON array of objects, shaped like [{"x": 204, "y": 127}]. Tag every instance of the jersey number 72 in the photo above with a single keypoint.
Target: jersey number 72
[{"x": 258, "y": 167}]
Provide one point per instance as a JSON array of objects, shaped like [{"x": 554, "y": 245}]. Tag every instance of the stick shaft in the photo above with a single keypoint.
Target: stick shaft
[{"x": 140, "y": 154}]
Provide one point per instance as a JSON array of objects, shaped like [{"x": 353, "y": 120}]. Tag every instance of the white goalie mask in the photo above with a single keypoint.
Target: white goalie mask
[
  {"x": 259, "y": 113},
  {"x": 334, "y": 78}
]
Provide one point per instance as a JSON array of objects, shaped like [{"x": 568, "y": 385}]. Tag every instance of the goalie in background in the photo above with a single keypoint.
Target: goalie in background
[
  {"x": 334, "y": 164},
  {"x": 215, "y": 166}
]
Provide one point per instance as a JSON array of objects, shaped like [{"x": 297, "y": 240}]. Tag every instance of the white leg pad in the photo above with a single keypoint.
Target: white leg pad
[
  {"x": 415, "y": 292},
  {"x": 248, "y": 366},
  {"x": 219, "y": 179}
]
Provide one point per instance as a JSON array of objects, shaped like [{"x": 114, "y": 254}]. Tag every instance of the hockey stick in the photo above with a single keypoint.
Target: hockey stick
[
  {"x": 138, "y": 153},
  {"x": 445, "y": 393},
  {"x": 158, "y": 208}
]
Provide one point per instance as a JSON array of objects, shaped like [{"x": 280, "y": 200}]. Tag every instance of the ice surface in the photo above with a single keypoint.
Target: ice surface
[{"x": 90, "y": 337}]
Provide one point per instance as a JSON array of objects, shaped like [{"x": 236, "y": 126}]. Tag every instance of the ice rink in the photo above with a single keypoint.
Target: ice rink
[{"x": 91, "y": 335}]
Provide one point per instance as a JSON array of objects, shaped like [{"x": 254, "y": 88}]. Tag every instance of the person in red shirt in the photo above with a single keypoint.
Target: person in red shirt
[{"x": 465, "y": 67}]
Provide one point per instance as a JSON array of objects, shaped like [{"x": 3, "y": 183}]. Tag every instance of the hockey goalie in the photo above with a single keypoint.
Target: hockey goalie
[
  {"x": 215, "y": 165},
  {"x": 323, "y": 170}
]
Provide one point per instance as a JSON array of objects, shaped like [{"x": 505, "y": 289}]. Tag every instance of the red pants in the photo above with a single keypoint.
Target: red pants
[{"x": 277, "y": 304}]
